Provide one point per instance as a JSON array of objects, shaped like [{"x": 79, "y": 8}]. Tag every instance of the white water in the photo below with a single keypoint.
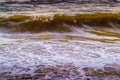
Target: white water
[{"x": 23, "y": 53}]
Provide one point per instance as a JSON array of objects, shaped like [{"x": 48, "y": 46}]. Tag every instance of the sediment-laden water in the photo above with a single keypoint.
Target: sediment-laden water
[{"x": 57, "y": 42}]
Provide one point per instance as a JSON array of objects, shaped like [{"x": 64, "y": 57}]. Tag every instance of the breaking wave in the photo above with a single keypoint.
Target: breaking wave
[{"x": 59, "y": 22}]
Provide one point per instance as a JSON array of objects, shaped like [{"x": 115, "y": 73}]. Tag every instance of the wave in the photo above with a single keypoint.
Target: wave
[
  {"x": 59, "y": 22},
  {"x": 98, "y": 22}
]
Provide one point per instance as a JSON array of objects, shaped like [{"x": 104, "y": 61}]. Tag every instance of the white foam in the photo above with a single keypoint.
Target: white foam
[{"x": 33, "y": 53}]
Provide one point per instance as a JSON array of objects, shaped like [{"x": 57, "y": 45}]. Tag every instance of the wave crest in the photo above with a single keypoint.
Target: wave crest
[{"x": 59, "y": 22}]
